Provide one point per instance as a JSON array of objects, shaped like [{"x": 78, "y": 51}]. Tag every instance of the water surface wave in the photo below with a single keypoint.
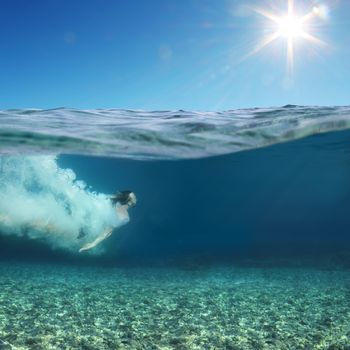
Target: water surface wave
[{"x": 151, "y": 135}]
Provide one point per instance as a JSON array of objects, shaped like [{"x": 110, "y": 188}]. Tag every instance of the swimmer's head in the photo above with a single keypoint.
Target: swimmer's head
[{"x": 124, "y": 198}]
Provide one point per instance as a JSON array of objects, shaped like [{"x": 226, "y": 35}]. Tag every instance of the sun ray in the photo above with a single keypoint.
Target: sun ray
[
  {"x": 268, "y": 40},
  {"x": 313, "y": 39},
  {"x": 266, "y": 14},
  {"x": 290, "y": 8},
  {"x": 290, "y": 56},
  {"x": 307, "y": 17}
]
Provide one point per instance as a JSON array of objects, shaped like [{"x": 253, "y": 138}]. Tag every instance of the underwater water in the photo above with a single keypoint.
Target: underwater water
[{"x": 239, "y": 239}]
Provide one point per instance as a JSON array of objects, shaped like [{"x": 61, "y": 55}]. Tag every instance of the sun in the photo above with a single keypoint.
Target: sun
[{"x": 291, "y": 27}]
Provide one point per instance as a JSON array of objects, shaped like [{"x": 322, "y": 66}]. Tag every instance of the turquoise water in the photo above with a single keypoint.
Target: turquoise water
[
  {"x": 55, "y": 307},
  {"x": 239, "y": 239}
]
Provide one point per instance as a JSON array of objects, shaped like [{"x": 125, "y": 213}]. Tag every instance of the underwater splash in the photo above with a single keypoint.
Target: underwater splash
[
  {"x": 40, "y": 200},
  {"x": 161, "y": 134}
]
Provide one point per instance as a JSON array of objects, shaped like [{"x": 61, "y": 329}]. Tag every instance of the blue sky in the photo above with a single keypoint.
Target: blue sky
[{"x": 166, "y": 54}]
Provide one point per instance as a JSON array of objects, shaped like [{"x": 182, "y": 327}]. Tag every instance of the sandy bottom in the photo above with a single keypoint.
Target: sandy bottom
[{"x": 55, "y": 307}]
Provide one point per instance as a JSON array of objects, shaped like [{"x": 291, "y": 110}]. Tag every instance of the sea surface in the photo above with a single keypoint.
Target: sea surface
[{"x": 239, "y": 239}]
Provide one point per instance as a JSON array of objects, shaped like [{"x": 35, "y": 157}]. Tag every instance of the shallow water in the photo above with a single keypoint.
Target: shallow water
[
  {"x": 53, "y": 307},
  {"x": 243, "y": 250}
]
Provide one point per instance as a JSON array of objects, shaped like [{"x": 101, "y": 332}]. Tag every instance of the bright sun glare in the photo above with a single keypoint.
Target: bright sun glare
[{"x": 292, "y": 28}]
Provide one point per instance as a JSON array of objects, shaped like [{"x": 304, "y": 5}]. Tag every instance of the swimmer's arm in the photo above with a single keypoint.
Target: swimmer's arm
[
  {"x": 123, "y": 215},
  {"x": 105, "y": 234}
]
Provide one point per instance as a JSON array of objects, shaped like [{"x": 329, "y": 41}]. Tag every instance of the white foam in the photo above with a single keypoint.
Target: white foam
[{"x": 43, "y": 201}]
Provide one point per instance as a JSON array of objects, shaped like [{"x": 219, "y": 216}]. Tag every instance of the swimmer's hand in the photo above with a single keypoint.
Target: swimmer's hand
[
  {"x": 105, "y": 234},
  {"x": 87, "y": 247}
]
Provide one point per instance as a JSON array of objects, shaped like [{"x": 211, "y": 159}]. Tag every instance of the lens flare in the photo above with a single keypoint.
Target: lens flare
[{"x": 291, "y": 27}]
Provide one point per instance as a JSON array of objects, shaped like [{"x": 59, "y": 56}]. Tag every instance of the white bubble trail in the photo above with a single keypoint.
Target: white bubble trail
[{"x": 40, "y": 200}]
